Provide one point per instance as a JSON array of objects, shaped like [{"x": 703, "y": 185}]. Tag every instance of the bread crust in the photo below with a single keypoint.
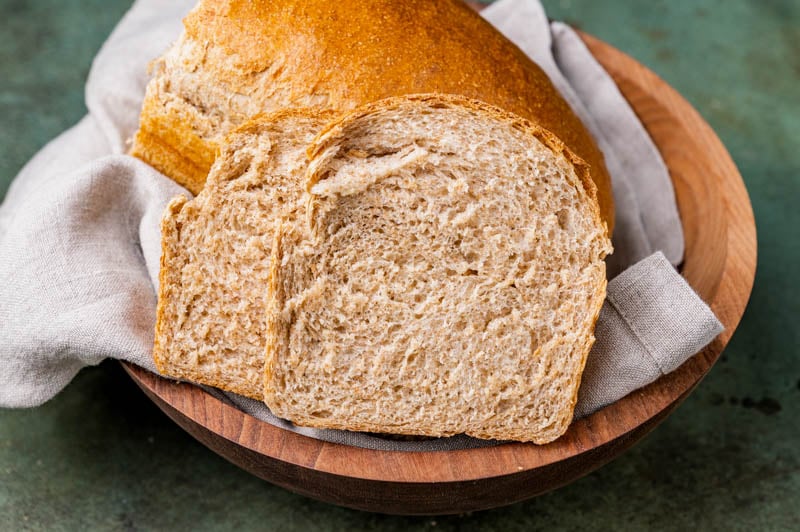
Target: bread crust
[{"x": 338, "y": 55}]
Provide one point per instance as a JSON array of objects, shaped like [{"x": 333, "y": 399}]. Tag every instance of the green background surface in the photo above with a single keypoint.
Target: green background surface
[{"x": 101, "y": 456}]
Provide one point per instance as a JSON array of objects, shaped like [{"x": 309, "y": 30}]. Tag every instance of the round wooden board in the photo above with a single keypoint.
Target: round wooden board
[{"x": 720, "y": 264}]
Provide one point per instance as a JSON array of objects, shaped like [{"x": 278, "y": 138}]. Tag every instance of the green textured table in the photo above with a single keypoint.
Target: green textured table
[{"x": 101, "y": 456}]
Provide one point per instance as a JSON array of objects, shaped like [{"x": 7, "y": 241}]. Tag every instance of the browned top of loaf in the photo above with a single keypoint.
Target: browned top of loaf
[{"x": 344, "y": 54}]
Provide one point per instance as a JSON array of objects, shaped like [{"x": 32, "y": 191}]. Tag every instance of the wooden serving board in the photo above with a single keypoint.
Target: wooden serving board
[{"x": 720, "y": 264}]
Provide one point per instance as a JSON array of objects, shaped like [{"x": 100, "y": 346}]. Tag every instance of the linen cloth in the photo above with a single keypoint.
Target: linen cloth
[{"x": 80, "y": 240}]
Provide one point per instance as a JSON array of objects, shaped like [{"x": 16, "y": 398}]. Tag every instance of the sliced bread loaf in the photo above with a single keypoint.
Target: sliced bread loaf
[
  {"x": 216, "y": 249},
  {"x": 448, "y": 280}
]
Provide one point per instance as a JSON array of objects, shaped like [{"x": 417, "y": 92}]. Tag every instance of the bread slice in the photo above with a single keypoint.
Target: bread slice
[
  {"x": 449, "y": 281},
  {"x": 237, "y": 58},
  {"x": 216, "y": 250}
]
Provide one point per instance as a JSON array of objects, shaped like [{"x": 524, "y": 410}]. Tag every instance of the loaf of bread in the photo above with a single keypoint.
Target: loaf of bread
[
  {"x": 427, "y": 265},
  {"x": 445, "y": 278},
  {"x": 238, "y": 58},
  {"x": 210, "y": 325}
]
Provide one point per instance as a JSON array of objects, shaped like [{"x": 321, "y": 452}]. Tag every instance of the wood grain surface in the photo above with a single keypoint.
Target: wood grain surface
[{"x": 720, "y": 265}]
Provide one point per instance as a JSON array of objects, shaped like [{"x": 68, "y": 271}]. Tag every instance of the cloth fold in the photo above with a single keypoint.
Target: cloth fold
[{"x": 80, "y": 240}]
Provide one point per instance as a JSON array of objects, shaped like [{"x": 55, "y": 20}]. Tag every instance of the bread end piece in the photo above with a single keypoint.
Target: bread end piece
[{"x": 216, "y": 249}]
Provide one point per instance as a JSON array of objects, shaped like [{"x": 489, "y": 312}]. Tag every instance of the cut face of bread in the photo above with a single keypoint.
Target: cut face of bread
[
  {"x": 215, "y": 254},
  {"x": 449, "y": 280}
]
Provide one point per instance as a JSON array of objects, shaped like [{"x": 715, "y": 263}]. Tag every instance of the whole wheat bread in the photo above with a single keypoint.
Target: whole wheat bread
[
  {"x": 216, "y": 249},
  {"x": 446, "y": 280}
]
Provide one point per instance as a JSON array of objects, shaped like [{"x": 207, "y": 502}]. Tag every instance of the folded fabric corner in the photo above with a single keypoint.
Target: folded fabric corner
[{"x": 651, "y": 323}]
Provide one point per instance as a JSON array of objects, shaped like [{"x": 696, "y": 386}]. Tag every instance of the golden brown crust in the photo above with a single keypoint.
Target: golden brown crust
[
  {"x": 164, "y": 157},
  {"x": 166, "y": 141},
  {"x": 339, "y": 55}
]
